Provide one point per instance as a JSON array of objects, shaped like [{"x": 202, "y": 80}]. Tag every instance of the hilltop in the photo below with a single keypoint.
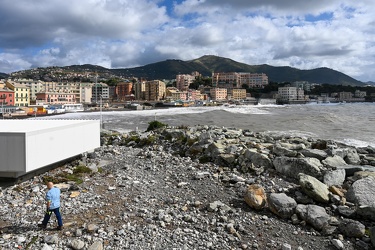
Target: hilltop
[{"x": 205, "y": 65}]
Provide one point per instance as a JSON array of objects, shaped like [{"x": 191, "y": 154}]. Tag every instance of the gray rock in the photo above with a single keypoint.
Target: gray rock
[
  {"x": 258, "y": 159},
  {"x": 362, "y": 192},
  {"x": 281, "y": 204},
  {"x": 314, "y": 188},
  {"x": 337, "y": 243},
  {"x": 46, "y": 247},
  {"x": 352, "y": 228},
  {"x": 334, "y": 161},
  {"x": 366, "y": 212},
  {"x": 291, "y": 167},
  {"x": 97, "y": 245},
  {"x": 92, "y": 228},
  {"x": 346, "y": 211},
  {"x": 215, "y": 149},
  {"x": 314, "y": 153},
  {"x": 352, "y": 156},
  {"x": 334, "y": 177},
  {"x": 363, "y": 174},
  {"x": 51, "y": 239},
  {"x": 281, "y": 151},
  {"x": 350, "y": 170},
  {"x": 77, "y": 244},
  {"x": 286, "y": 246},
  {"x": 372, "y": 235},
  {"x": 314, "y": 215}
]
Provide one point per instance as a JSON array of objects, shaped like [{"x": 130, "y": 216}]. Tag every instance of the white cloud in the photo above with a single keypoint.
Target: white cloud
[{"x": 338, "y": 34}]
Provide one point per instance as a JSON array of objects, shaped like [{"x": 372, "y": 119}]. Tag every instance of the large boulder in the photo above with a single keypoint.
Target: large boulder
[
  {"x": 282, "y": 151},
  {"x": 258, "y": 159},
  {"x": 313, "y": 215},
  {"x": 352, "y": 156},
  {"x": 255, "y": 196},
  {"x": 350, "y": 170},
  {"x": 215, "y": 149},
  {"x": 291, "y": 167},
  {"x": 334, "y": 177},
  {"x": 314, "y": 188},
  {"x": 362, "y": 192},
  {"x": 281, "y": 205},
  {"x": 334, "y": 161},
  {"x": 314, "y": 153},
  {"x": 352, "y": 228}
]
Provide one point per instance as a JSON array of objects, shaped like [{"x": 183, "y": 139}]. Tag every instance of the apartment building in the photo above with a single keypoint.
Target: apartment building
[
  {"x": 236, "y": 94},
  {"x": 290, "y": 94},
  {"x": 139, "y": 89},
  {"x": 218, "y": 94},
  {"x": 345, "y": 96},
  {"x": 174, "y": 94},
  {"x": 123, "y": 90},
  {"x": 238, "y": 79},
  {"x": 6, "y": 97},
  {"x": 195, "y": 95},
  {"x": 35, "y": 86},
  {"x": 100, "y": 91},
  {"x": 183, "y": 81},
  {"x": 305, "y": 85},
  {"x": 21, "y": 93},
  {"x": 82, "y": 90},
  {"x": 360, "y": 94},
  {"x": 155, "y": 90},
  {"x": 55, "y": 98}
]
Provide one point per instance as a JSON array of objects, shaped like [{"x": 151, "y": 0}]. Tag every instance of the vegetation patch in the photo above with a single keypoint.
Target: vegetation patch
[{"x": 155, "y": 125}]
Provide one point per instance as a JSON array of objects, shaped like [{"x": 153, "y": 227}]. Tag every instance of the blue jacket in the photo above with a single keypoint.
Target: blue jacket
[{"x": 53, "y": 196}]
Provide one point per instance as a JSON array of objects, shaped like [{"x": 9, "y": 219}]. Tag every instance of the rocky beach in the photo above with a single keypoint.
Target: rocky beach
[{"x": 201, "y": 187}]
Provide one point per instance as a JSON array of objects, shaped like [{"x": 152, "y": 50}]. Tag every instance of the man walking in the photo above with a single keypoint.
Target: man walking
[{"x": 53, "y": 205}]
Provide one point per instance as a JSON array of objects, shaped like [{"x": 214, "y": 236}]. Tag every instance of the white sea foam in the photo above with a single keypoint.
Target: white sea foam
[{"x": 357, "y": 143}]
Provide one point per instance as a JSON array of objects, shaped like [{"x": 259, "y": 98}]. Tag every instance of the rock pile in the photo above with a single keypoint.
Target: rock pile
[{"x": 203, "y": 187}]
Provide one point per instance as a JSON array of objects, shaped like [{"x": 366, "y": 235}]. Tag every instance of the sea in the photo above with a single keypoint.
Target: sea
[{"x": 349, "y": 123}]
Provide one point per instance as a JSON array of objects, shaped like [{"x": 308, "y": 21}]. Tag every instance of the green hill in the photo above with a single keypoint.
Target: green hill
[
  {"x": 205, "y": 65},
  {"x": 3, "y": 75}
]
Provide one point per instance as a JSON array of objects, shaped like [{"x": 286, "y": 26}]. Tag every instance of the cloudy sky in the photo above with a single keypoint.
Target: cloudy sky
[{"x": 306, "y": 34}]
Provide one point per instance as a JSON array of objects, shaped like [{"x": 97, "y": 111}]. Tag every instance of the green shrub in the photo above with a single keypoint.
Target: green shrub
[
  {"x": 81, "y": 170},
  {"x": 155, "y": 125}
]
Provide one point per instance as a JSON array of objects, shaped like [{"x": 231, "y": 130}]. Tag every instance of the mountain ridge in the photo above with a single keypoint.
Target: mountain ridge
[{"x": 207, "y": 64}]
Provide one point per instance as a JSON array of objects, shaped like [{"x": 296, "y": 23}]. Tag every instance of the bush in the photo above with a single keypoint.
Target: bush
[{"x": 155, "y": 125}]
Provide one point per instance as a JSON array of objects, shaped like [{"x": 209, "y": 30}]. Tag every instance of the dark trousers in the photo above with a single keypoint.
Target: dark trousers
[{"x": 47, "y": 216}]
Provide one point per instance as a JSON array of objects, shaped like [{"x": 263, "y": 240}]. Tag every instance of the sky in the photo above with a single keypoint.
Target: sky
[{"x": 338, "y": 34}]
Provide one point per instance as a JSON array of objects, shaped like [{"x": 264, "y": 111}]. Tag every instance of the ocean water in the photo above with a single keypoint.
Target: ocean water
[{"x": 350, "y": 123}]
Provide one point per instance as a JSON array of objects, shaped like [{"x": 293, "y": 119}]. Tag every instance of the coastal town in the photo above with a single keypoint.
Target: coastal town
[{"x": 27, "y": 97}]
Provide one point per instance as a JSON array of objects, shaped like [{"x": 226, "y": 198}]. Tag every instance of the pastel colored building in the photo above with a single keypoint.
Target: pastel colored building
[
  {"x": 21, "y": 93},
  {"x": 155, "y": 90},
  {"x": 55, "y": 98},
  {"x": 6, "y": 97},
  {"x": 174, "y": 94},
  {"x": 184, "y": 80},
  {"x": 238, "y": 79},
  {"x": 218, "y": 94},
  {"x": 123, "y": 90},
  {"x": 236, "y": 94}
]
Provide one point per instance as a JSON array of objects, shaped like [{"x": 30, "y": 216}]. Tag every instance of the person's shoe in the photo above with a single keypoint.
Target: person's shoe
[
  {"x": 58, "y": 228},
  {"x": 42, "y": 226}
]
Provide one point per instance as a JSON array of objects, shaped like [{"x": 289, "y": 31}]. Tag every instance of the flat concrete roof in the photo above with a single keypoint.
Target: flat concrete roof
[{"x": 26, "y": 125}]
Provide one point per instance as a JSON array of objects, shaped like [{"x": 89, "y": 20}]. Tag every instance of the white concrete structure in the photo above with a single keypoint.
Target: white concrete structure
[{"x": 28, "y": 145}]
